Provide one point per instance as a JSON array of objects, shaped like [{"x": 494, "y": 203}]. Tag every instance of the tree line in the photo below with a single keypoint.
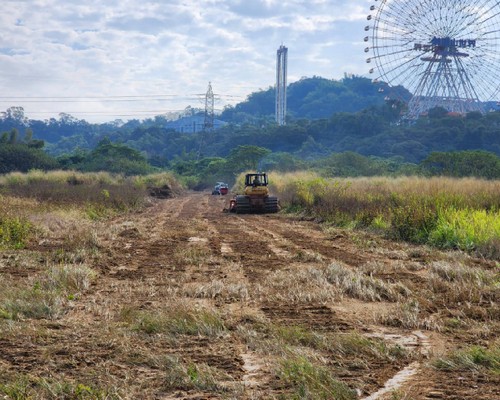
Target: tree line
[{"x": 342, "y": 127}]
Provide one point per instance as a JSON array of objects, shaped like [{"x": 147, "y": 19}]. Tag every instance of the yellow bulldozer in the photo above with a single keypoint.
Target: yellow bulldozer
[{"x": 256, "y": 197}]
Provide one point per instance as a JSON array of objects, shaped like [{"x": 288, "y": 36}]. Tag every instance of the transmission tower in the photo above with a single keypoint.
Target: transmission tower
[
  {"x": 281, "y": 71},
  {"x": 208, "y": 124}
]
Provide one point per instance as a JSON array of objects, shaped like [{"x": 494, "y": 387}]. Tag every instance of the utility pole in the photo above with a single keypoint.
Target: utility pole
[
  {"x": 281, "y": 75},
  {"x": 208, "y": 124}
]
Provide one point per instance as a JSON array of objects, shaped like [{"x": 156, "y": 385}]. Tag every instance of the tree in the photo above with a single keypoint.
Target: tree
[
  {"x": 14, "y": 136},
  {"x": 28, "y": 136},
  {"x": 116, "y": 158},
  {"x": 246, "y": 157},
  {"x": 477, "y": 163},
  {"x": 22, "y": 158}
]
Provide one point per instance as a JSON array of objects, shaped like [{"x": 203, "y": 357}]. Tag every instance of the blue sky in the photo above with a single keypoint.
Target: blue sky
[{"x": 81, "y": 57}]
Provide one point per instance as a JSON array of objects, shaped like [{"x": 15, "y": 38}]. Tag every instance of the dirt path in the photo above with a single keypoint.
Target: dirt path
[{"x": 261, "y": 274}]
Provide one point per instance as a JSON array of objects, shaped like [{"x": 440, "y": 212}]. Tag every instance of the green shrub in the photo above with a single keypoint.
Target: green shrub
[
  {"x": 14, "y": 232},
  {"x": 415, "y": 221},
  {"x": 465, "y": 229}
]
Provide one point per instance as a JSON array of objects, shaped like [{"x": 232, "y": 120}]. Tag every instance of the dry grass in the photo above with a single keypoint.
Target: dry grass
[
  {"x": 472, "y": 358},
  {"x": 175, "y": 328},
  {"x": 46, "y": 295},
  {"x": 364, "y": 287},
  {"x": 217, "y": 289},
  {"x": 299, "y": 285},
  {"x": 193, "y": 254},
  {"x": 461, "y": 284},
  {"x": 180, "y": 375},
  {"x": 23, "y": 387},
  {"x": 303, "y": 284},
  {"x": 408, "y": 315},
  {"x": 308, "y": 361},
  {"x": 176, "y": 318},
  {"x": 101, "y": 193}
]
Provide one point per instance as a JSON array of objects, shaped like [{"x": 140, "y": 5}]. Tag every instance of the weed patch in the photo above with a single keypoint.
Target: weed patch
[
  {"x": 473, "y": 358},
  {"x": 178, "y": 320},
  {"x": 465, "y": 229},
  {"x": 311, "y": 381},
  {"x": 32, "y": 303},
  {"x": 26, "y": 388},
  {"x": 181, "y": 375},
  {"x": 14, "y": 232}
]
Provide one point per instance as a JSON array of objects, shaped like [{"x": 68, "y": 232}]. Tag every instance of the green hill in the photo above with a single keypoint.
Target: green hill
[{"x": 313, "y": 98}]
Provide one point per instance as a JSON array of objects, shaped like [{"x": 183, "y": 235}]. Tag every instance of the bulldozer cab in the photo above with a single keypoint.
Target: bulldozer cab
[{"x": 256, "y": 180}]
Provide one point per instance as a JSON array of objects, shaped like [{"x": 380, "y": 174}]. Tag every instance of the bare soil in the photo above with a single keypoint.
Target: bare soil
[{"x": 177, "y": 248}]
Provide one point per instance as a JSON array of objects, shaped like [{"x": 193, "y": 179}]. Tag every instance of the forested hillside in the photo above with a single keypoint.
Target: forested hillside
[
  {"x": 314, "y": 98},
  {"x": 342, "y": 127}
]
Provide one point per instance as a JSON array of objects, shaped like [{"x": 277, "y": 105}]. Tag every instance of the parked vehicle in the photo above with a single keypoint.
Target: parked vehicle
[{"x": 220, "y": 188}]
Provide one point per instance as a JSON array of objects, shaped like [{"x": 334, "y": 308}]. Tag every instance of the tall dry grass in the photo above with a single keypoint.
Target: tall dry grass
[
  {"x": 63, "y": 187},
  {"x": 445, "y": 212}
]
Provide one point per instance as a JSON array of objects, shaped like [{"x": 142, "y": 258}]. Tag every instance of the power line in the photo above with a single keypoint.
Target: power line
[
  {"x": 113, "y": 112},
  {"x": 193, "y": 96}
]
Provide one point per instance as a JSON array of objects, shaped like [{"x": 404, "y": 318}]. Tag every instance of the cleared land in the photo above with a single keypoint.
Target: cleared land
[{"x": 182, "y": 300}]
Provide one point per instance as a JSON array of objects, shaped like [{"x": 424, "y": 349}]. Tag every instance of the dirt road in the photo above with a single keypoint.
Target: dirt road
[{"x": 269, "y": 282}]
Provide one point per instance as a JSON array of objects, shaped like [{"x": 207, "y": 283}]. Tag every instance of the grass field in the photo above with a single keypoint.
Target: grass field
[
  {"x": 447, "y": 213},
  {"x": 108, "y": 292}
]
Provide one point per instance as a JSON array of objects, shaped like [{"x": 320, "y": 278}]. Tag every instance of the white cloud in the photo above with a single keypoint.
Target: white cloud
[{"x": 143, "y": 47}]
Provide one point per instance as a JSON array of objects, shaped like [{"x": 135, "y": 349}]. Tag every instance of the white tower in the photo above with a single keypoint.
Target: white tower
[{"x": 281, "y": 71}]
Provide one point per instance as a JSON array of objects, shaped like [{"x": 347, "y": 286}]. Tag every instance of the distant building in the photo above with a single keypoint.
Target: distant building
[{"x": 192, "y": 124}]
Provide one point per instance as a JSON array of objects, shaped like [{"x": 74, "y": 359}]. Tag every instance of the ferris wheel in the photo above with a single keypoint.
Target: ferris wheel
[{"x": 445, "y": 52}]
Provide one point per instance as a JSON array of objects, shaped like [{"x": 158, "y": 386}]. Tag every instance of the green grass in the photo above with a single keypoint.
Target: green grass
[
  {"x": 182, "y": 375},
  {"x": 31, "y": 303},
  {"x": 26, "y": 388},
  {"x": 311, "y": 381},
  {"x": 14, "y": 232},
  {"x": 176, "y": 320},
  {"x": 473, "y": 359},
  {"x": 466, "y": 229}
]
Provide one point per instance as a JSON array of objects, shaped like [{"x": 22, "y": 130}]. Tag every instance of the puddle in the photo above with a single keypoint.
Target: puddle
[
  {"x": 416, "y": 341},
  {"x": 252, "y": 366},
  {"x": 425, "y": 343},
  {"x": 396, "y": 381}
]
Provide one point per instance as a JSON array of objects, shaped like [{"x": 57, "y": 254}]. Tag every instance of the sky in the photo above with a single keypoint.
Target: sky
[{"x": 123, "y": 59}]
